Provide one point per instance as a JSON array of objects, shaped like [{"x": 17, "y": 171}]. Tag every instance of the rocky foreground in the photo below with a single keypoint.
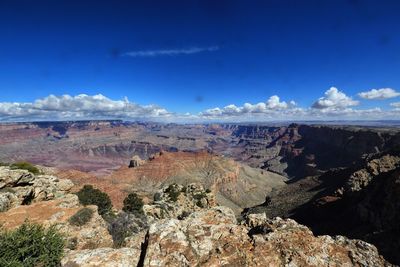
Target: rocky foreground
[{"x": 181, "y": 227}]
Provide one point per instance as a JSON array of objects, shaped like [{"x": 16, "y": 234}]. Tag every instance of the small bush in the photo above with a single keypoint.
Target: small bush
[
  {"x": 124, "y": 225},
  {"x": 25, "y": 166},
  {"x": 89, "y": 195},
  {"x": 31, "y": 245},
  {"x": 81, "y": 217},
  {"x": 199, "y": 196},
  {"x": 133, "y": 203},
  {"x": 173, "y": 192}
]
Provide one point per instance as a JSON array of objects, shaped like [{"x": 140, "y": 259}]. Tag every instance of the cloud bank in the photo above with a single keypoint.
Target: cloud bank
[
  {"x": 171, "y": 52},
  {"x": 333, "y": 105},
  {"x": 383, "y": 93},
  {"x": 78, "y": 107}
]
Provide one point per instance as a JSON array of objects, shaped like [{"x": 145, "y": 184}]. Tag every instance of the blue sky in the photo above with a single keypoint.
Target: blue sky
[{"x": 193, "y": 56}]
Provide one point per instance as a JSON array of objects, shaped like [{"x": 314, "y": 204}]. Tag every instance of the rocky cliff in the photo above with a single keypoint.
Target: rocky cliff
[{"x": 364, "y": 203}]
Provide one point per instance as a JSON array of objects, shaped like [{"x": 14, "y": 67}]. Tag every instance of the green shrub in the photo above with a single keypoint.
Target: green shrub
[
  {"x": 81, "y": 217},
  {"x": 173, "y": 192},
  {"x": 126, "y": 224},
  {"x": 25, "y": 166},
  {"x": 92, "y": 196},
  {"x": 31, "y": 245},
  {"x": 133, "y": 203},
  {"x": 199, "y": 196}
]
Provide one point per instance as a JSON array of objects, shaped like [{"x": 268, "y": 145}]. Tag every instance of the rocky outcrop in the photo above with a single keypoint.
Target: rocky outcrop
[
  {"x": 374, "y": 167},
  {"x": 46, "y": 200},
  {"x": 178, "y": 201},
  {"x": 213, "y": 238},
  {"x": 20, "y": 187},
  {"x": 136, "y": 161}
]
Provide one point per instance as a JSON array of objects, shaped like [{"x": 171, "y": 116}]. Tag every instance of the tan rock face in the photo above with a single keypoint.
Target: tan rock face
[{"x": 212, "y": 238}]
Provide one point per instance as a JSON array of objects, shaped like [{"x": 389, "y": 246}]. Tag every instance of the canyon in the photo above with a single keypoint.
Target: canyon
[{"x": 338, "y": 180}]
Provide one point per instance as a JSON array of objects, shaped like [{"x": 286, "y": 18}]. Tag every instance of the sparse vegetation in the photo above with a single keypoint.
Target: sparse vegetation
[
  {"x": 89, "y": 195},
  {"x": 31, "y": 245},
  {"x": 199, "y": 197},
  {"x": 173, "y": 192},
  {"x": 72, "y": 243},
  {"x": 124, "y": 225},
  {"x": 25, "y": 166},
  {"x": 81, "y": 217},
  {"x": 133, "y": 203}
]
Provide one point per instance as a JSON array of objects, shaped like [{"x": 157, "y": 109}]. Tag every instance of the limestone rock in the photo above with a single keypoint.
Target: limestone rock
[
  {"x": 102, "y": 257},
  {"x": 213, "y": 238}
]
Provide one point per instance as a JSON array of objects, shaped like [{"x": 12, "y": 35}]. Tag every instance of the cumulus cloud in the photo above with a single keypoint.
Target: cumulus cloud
[
  {"x": 78, "y": 107},
  {"x": 272, "y": 105},
  {"x": 396, "y": 106},
  {"x": 383, "y": 93},
  {"x": 171, "y": 52},
  {"x": 333, "y": 100}
]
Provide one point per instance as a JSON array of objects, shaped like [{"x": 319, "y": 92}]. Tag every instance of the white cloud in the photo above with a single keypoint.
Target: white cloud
[
  {"x": 395, "y": 104},
  {"x": 272, "y": 105},
  {"x": 334, "y": 99},
  {"x": 383, "y": 93},
  {"x": 78, "y": 107},
  {"x": 171, "y": 52}
]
